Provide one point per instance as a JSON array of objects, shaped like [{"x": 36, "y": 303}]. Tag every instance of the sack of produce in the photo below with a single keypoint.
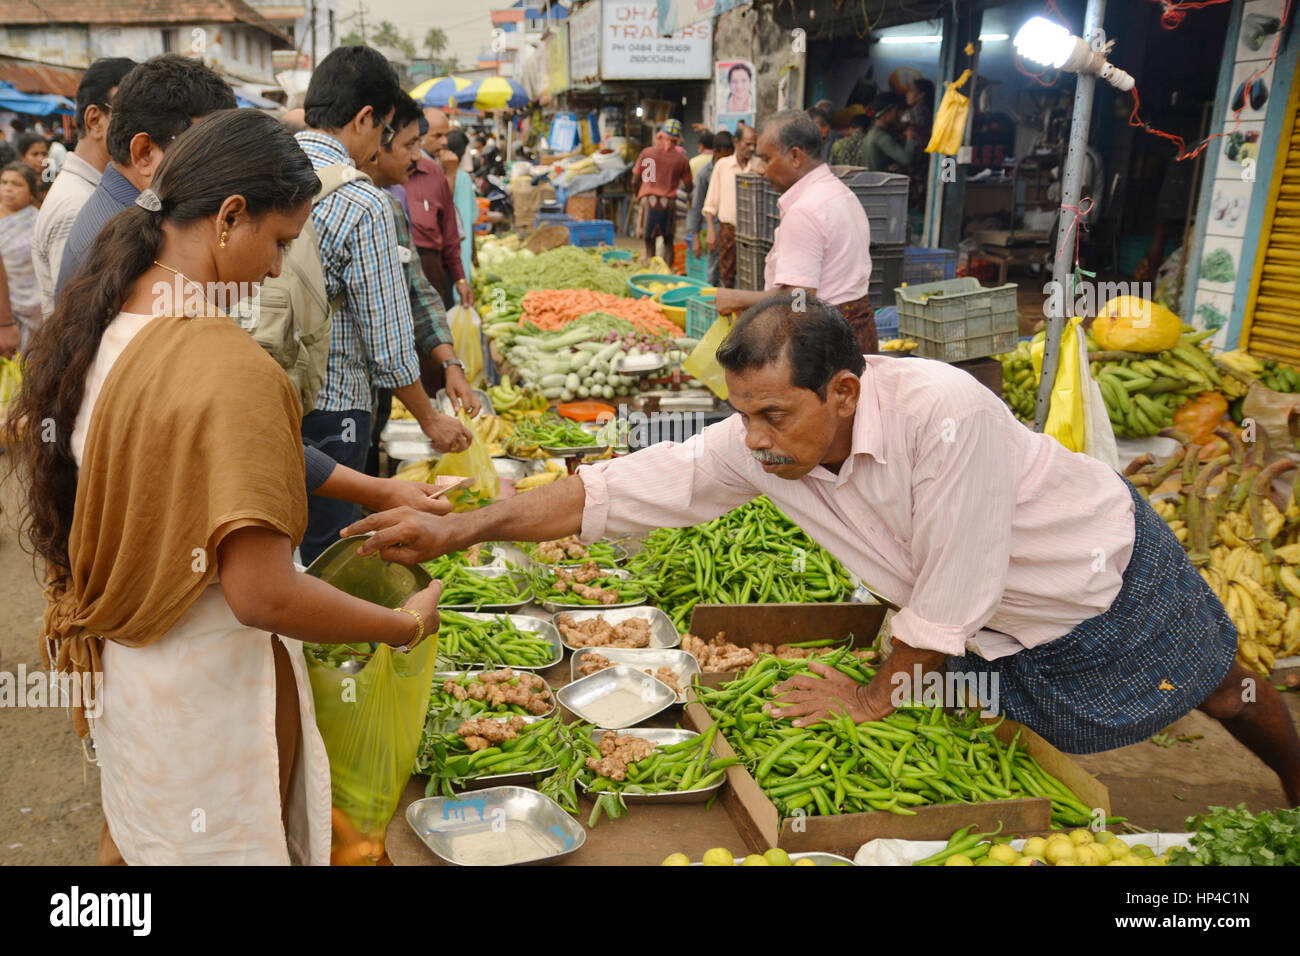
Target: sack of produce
[
  {"x": 1131, "y": 324},
  {"x": 371, "y": 721},
  {"x": 465, "y": 326},
  {"x": 474, "y": 462}
]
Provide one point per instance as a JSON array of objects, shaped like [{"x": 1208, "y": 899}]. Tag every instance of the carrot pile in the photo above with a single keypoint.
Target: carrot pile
[{"x": 553, "y": 309}]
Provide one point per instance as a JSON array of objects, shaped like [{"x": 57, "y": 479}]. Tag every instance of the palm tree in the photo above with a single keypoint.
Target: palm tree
[{"x": 435, "y": 41}]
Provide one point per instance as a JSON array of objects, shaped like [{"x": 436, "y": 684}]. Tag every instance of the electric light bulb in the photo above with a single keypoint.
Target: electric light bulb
[{"x": 1044, "y": 42}]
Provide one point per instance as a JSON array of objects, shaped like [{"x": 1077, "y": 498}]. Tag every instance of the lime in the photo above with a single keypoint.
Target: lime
[
  {"x": 989, "y": 861},
  {"x": 1034, "y": 846},
  {"x": 777, "y": 856},
  {"x": 1087, "y": 856},
  {"x": 718, "y": 856},
  {"x": 1059, "y": 851},
  {"x": 676, "y": 859},
  {"x": 804, "y": 862},
  {"x": 1003, "y": 853},
  {"x": 959, "y": 859},
  {"x": 1030, "y": 861},
  {"x": 755, "y": 859},
  {"x": 1142, "y": 850},
  {"x": 1081, "y": 836}
]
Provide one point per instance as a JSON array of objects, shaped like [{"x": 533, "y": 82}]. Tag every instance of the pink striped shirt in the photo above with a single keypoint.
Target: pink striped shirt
[
  {"x": 823, "y": 240},
  {"x": 946, "y": 506}
]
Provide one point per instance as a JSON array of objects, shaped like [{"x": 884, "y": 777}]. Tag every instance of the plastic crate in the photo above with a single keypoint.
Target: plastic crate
[
  {"x": 751, "y": 263},
  {"x": 928, "y": 265},
  {"x": 886, "y": 272},
  {"x": 887, "y": 323},
  {"x": 697, "y": 267},
  {"x": 551, "y": 219},
  {"x": 883, "y": 197},
  {"x": 592, "y": 232},
  {"x": 756, "y": 213},
  {"x": 701, "y": 313},
  {"x": 961, "y": 320}
]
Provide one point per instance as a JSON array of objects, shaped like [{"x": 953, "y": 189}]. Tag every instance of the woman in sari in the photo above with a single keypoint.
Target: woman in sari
[
  {"x": 164, "y": 464},
  {"x": 18, "y": 192}
]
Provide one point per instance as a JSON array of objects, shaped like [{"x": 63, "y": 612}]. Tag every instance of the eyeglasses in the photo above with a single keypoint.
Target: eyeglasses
[{"x": 389, "y": 134}]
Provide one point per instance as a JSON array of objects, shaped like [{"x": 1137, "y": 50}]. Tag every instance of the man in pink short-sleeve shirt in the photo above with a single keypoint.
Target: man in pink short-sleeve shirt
[{"x": 1010, "y": 558}]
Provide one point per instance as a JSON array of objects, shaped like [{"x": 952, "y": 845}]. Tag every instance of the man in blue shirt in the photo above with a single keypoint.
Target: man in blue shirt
[{"x": 372, "y": 343}]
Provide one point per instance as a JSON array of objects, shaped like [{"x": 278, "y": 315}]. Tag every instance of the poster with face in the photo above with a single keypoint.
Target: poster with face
[{"x": 733, "y": 86}]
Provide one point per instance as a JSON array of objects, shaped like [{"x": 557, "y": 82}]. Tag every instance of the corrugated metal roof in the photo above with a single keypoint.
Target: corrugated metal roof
[
  {"x": 30, "y": 77},
  {"x": 137, "y": 12}
]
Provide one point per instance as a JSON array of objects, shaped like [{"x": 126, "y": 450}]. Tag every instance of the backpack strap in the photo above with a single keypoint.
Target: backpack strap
[{"x": 333, "y": 177}]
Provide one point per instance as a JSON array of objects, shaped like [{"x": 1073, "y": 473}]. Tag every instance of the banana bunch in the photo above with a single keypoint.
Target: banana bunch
[
  {"x": 417, "y": 470},
  {"x": 493, "y": 430},
  {"x": 400, "y": 412},
  {"x": 1019, "y": 386},
  {"x": 512, "y": 402},
  {"x": 1142, "y": 394},
  {"x": 554, "y": 472},
  {"x": 1239, "y": 368},
  {"x": 1165, "y": 509}
]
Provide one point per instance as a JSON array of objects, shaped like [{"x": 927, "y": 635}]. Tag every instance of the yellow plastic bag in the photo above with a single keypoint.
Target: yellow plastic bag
[
  {"x": 465, "y": 325},
  {"x": 950, "y": 121},
  {"x": 372, "y": 723},
  {"x": 475, "y": 462},
  {"x": 702, "y": 363}
]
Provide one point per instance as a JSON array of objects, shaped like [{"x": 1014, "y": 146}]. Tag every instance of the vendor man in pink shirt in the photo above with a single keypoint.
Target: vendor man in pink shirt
[
  {"x": 660, "y": 169},
  {"x": 1011, "y": 558},
  {"x": 823, "y": 244}
]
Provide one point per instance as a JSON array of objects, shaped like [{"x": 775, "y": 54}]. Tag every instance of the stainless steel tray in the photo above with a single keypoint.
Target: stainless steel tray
[
  {"x": 661, "y": 737},
  {"x": 441, "y": 676},
  {"x": 662, "y": 632},
  {"x": 501, "y": 826},
  {"x": 522, "y": 583},
  {"x": 370, "y": 578},
  {"x": 574, "y": 452},
  {"x": 525, "y": 777},
  {"x": 508, "y": 552},
  {"x": 684, "y": 665},
  {"x": 402, "y": 429},
  {"x": 443, "y": 402},
  {"x": 514, "y": 469},
  {"x": 554, "y": 606},
  {"x": 410, "y": 450},
  {"x": 620, "y": 555},
  {"x": 648, "y": 696},
  {"x": 525, "y": 622}
]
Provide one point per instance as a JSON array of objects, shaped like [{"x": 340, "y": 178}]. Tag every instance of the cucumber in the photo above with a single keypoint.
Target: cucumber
[
  {"x": 566, "y": 395},
  {"x": 599, "y": 378},
  {"x": 572, "y": 382},
  {"x": 583, "y": 391},
  {"x": 580, "y": 359},
  {"x": 554, "y": 380},
  {"x": 552, "y": 391}
]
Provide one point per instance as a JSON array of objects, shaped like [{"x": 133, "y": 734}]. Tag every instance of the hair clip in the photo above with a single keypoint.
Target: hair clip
[{"x": 149, "y": 200}]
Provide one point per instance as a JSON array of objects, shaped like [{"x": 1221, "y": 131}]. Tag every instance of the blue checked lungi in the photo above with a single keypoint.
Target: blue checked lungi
[{"x": 1155, "y": 654}]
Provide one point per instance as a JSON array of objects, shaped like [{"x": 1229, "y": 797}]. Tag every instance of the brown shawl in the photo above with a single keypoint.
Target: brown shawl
[{"x": 195, "y": 434}]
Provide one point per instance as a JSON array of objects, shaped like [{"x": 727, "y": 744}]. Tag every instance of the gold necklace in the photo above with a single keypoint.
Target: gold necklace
[{"x": 178, "y": 272}]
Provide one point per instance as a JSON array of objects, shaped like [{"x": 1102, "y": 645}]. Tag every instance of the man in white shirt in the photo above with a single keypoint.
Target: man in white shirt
[{"x": 80, "y": 172}]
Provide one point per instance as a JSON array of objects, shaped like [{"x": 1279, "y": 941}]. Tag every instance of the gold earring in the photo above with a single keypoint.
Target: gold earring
[{"x": 223, "y": 239}]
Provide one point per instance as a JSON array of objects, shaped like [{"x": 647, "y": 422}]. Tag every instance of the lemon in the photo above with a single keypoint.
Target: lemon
[
  {"x": 804, "y": 862},
  {"x": 718, "y": 856},
  {"x": 1081, "y": 836},
  {"x": 1087, "y": 856},
  {"x": 1030, "y": 861},
  {"x": 1034, "y": 846},
  {"x": 1117, "y": 847},
  {"x": 1003, "y": 853},
  {"x": 959, "y": 859},
  {"x": 1068, "y": 861},
  {"x": 1117, "y": 862},
  {"x": 676, "y": 859},
  {"x": 1059, "y": 850},
  {"x": 1162, "y": 859},
  {"x": 989, "y": 861},
  {"x": 1103, "y": 854},
  {"x": 755, "y": 859},
  {"x": 1142, "y": 850},
  {"x": 1104, "y": 836},
  {"x": 777, "y": 857}
]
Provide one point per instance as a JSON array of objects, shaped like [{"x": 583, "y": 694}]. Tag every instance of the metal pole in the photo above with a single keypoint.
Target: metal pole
[{"x": 1071, "y": 186}]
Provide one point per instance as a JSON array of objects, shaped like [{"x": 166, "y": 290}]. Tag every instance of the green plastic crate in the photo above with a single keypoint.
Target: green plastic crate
[
  {"x": 958, "y": 319},
  {"x": 701, "y": 313}
]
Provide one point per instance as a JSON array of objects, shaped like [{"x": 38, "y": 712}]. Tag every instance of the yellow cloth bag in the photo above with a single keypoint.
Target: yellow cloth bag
[
  {"x": 1065, "y": 416},
  {"x": 475, "y": 462},
  {"x": 465, "y": 325},
  {"x": 371, "y": 723},
  {"x": 950, "y": 122}
]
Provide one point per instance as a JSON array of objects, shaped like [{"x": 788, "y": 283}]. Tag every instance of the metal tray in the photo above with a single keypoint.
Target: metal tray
[
  {"x": 555, "y": 606},
  {"x": 402, "y": 429},
  {"x": 441, "y": 676},
  {"x": 662, "y": 632},
  {"x": 514, "y": 469},
  {"x": 620, "y": 555},
  {"x": 525, "y": 777},
  {"x": 818, "y": 858},
  {"x": 443, "y": 402},
  {"x": 410, "y": 450},
  {"x": 525, "y": 622},
  {"x": 662, "y": 737},
  {"x": 655, "y": 695},
  {"x": 507, "y": 551},
  {"x": 581, "y": 452},
  {"x": 370, "y": 578},
  {"x": 515, "y": 825},
  {"x": 641, "y": 364},
  {"x": 683, "y": 664},
  {"x": 522, "y": 583}
]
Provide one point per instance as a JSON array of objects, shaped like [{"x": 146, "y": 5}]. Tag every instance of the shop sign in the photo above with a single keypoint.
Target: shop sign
[{"x": 632, "y": 49}]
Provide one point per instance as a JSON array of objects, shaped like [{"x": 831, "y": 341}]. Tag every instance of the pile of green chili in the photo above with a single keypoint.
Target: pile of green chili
[
  {"x": 466, "y": 641},
  {"x": 751, "y": 555},
  {"x": 538, "y": 748}
]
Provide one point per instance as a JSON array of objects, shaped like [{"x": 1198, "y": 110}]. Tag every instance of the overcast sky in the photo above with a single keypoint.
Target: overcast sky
[{"x": 466, "y": 22}]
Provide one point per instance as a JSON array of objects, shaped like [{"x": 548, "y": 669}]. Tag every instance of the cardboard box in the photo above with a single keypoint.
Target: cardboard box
[{"x": 756, "y": 816}]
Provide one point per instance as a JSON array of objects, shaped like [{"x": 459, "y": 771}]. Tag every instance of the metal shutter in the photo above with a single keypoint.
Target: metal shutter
[{"x": 1272, "y": 319}]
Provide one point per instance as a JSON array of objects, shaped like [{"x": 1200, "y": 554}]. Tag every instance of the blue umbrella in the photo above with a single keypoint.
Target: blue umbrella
[
  {"x": 493, "y": 93},
  {"x": 439, "y": 91}
]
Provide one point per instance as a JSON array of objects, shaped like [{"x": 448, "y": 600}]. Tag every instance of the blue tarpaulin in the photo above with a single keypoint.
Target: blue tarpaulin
[{"x": 34, "y": 104}]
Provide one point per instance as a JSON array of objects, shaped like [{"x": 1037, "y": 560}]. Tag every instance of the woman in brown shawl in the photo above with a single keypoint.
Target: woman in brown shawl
[{"x": 166, "y": 494}]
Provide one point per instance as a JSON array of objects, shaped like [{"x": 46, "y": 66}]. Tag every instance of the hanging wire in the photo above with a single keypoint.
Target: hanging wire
[
  {"x": 1045, "y": 76},
  {"x": 1173, "y": 11}
]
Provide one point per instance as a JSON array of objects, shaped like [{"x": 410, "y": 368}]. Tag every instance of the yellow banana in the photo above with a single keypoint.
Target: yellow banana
[
  {"x": 1291, "y": 632},
  {"x": 1228, "y": 534},
  {"x": 1266, "y": 659},
  {"x": 1290, "y": 553},
  {"x": 1290, "y": 581},
  {"x": 1249, "y": 653},
  {"x": 1249, "y": 614},
  {"x": 1232, "y": 565}
]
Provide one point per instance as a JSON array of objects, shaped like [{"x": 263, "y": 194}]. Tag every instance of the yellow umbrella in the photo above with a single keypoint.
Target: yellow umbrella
[
  {"x": 493, "y": 93},
  {"x": 439, "y": 91}
]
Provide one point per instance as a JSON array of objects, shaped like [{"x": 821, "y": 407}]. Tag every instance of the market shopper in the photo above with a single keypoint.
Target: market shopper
[
  {"x": 1009, "y": 556},
  {"x": 158, "y": 487},
  {"x": 372, "y": 344},
  {"x": 695, "y": 230},
  {"x": 659, "y": 171},
  {"x": 19, "y": 188},
  {"x": 823, "y": 242},
  {"x": 852, "y": 150},
  {"x": 821, "y": 115},
  {"x": 883, "y": 151},
  {"x": 720, "y": 203},
  {"x": 80, "y": 172},
  {"x": 465, "y": 200},
  {"x": 433, "y": 217}
]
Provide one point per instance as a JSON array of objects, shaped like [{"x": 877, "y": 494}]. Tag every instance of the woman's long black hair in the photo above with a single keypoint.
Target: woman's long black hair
[{"x": 230, "y": 152}]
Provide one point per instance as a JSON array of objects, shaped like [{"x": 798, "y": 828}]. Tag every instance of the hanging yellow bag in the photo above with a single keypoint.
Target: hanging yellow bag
[
  {"x": 950, "y": 121},
  {"x": 474, "y": 462},
  {"x": 465, "y": 328},
  {"x": 702, "y": 363},
  {"x": 1077, "y": 415}
]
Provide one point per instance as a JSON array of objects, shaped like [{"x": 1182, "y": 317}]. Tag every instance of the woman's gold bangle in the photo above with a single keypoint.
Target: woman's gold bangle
[{"x": 419, "y": 629}]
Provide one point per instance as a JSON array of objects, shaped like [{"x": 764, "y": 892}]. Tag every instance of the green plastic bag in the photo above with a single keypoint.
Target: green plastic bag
[
  {"x": 474, "y": 462},
  {"x": 372, "y": 722}
]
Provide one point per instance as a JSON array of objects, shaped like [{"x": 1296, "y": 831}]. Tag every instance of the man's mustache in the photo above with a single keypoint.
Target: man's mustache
[{"x": 768, "y": 458}]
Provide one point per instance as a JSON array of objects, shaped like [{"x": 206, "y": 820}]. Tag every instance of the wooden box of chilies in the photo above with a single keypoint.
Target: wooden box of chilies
[{"x": 807, "y": 826}]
